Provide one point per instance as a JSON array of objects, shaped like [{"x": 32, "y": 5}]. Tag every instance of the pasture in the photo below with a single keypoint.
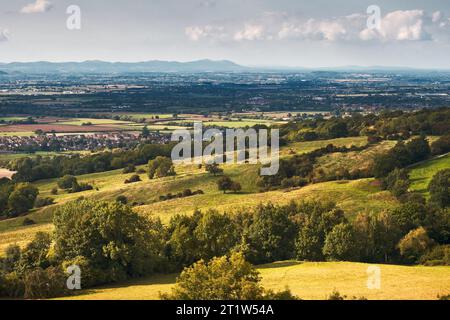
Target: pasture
[{"x": 307, "y": 280}]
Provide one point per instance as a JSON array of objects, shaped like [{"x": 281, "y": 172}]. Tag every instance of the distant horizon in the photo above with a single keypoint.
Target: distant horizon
[{"x": 258, "y": 66}]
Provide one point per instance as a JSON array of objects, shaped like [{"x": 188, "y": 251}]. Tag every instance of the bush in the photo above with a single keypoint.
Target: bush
[
  {"x": 28, "y": 222},
  {"x": 439, "y": 255},
  {"x": 48, "y": 283},
  {"x": 133, "y": 179},
  {"x": 439, "y": 188},
  {"x": 160, "y": 167},
  {"x": 122, "y": 199},
  {"x": 43, "y": 202},
  {"x": 224, "y": 278},
  {"x": 66, "y": 182},
  {"x": 129, "y": 169}
]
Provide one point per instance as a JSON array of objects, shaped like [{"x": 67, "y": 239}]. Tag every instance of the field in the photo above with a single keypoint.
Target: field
[
  {"x": 310, "y": 281},
  {"x": 422, "y": 173},
  {"x": 353, "y": 196}
]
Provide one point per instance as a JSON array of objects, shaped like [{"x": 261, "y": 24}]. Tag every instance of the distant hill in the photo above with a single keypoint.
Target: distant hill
[{"x": 122, "y": 67}]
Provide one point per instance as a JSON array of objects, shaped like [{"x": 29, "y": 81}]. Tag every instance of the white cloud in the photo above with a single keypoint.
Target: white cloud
[
  {"x": 4, "y": 35},
  {"x": 250, "y": 32},
  {"x": 400, "y": 26},
  {"x": 407, "y": 25},
  {"x": 196, "y": 33},
  {"x": 37, "y": 7}
]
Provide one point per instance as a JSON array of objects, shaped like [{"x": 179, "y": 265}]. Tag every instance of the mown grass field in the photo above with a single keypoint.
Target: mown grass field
[
  {"x": 310, "y": 281},
  {"x": 422, "y": 173}
]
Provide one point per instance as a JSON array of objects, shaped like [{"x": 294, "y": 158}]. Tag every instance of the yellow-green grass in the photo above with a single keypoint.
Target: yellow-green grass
[
  {"x": 308, "y": 146},
  {"x": 12, "y": 118},
  {"x": 361, "y": 160},
  {"x": 147, "y": 116},
  {"x": 309, "y": 281},
  {"x": 21, "y": 236},
  {"x": 80, "y": 121},
  {"x": 422, "y": 173},
  {"x": 17, "y": 134},
  {"x": 352, "y": 196},
  {"x": 13, "y": 156}
]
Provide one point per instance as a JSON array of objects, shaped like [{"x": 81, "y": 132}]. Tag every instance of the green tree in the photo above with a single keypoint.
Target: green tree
[
  {"x": 66, "y": 182},
  {"x": 271, "y": 236},
  {"x": 22, "y": 198},
  {"x": 340, "y": 243},
  {"x": 213, "y": 169},
  {"x": 439, "y": 188},
  {"x": 160, "y": 167},
  {"x": 216, "y": 235},
  {"x": 115, "y": 241},
  {"x": 224, "y": 278},
  {"x": 415, "y": 244},
  {"x": 224, "y": 184}
]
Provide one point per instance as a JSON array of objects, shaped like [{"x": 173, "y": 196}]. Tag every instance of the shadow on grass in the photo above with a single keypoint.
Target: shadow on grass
[
  {"x": 279, "y": 265},
  {"x": 159, "y": 279}
]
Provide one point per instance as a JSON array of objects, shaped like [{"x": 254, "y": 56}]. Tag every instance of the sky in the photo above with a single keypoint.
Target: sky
[{"x": 295, "y": 33}]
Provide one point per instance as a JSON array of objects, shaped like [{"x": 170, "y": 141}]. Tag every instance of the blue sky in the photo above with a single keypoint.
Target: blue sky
[{"x": 251, "y": 32}]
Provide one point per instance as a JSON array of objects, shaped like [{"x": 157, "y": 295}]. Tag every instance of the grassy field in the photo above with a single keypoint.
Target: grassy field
[
  {"x": 352, "y": 196},
  {"x": 310, "y": 281},
  {"x": 421, "y": 174},
  {"x": 80, "y": 121}
]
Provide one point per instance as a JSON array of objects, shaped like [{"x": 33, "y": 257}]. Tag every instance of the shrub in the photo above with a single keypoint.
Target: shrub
[
  {"x": 160, "y": 167},
  {"x": 129, "y": 169},
  {"x": 133, "y": 179},
  {"x": 66, "y": 182},
  {"x": 48, "y": 283},
  {"x": 415, "y": 244},
  {"x": 43, "y": 202},
  {"x": 122, "y": 199},
  {"x": 439, "y": 188}
]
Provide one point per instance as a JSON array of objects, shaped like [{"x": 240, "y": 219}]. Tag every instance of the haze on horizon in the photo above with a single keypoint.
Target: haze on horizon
[{"x": 291, "y": 33}]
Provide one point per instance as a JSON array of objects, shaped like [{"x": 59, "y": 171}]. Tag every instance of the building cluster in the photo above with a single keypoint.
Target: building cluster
[{"x": 77, "y": 142}]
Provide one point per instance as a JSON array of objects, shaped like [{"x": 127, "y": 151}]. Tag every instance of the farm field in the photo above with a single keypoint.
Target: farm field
[
  {"x": 422, "y": 173},
  {"x": 309, "y": 281}
]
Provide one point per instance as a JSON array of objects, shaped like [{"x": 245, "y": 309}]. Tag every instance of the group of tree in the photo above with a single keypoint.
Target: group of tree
[
  {"x": 111, "y": 243},
  {"x": 71, "y": 184},
  {"x": 225, "y": 184},
  {"x": 160, "y": 167},
  {"x": 16, "y": 198},
  {"x": 38, "y": 168},
  {"x": 387, "y": 125}
]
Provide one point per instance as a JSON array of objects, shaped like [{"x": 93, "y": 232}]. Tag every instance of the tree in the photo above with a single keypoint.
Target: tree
[
  {"x": 438, "y": 187},
  {"x": 415, "y": 244},
  {"x": 116, "y": 242},
  {"x": 340, "y": 243},
  {"x": 224, "y": 183},
  {"x": 213, "y": 169},
  {"x": 66, "y": 182},
  {"x": 235, "y": 187},
  {"x": 160, "y": 167},
  {"x": 418, "y": 148},
  {"x": 224, "y": 278},
  {"x": 271, "y": 236},
  {"x": 145, "y": 132},
  {"x": 22, "y": 198},
  {"x": 216, "y": 235}
]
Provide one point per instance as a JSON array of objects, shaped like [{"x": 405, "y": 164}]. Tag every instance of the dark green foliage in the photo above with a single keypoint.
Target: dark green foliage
[
  {"x": 66, "y": 182},
  {"x": 160, "y": 167},
  {"x": 439, "y": 255},
  {"x": 224, "y": 184},
  {"x": 213, "y": 169},
  {"x": 340, "y": 243},
  {"x": 133, "y": 179},
  {"x": 122, "y": 199},
  {"x": 441, "y": 145},
  {"x": 439, "y": 188},
  {"x": 21, "y": 199},
  {"x": 271, "y": 235},
  {"x": 115, "y": 241},
  {"x": 397, "y": 182},
  {"x": 43, "y": 202}
]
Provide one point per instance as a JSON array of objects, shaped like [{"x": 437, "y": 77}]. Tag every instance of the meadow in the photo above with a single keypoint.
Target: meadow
[
  {"x": 307, "y": 280},
  {"x": 422, "y": 173}
]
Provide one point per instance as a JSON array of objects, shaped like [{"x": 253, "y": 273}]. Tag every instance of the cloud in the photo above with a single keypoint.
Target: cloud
[
  {"x": 4, "y": 35},
  {"x": 250, "y": 32},
  {"x": 401, "y": 25},
  {"x": 37, "y": 7},
  {"x": 197, "y": 33}
]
